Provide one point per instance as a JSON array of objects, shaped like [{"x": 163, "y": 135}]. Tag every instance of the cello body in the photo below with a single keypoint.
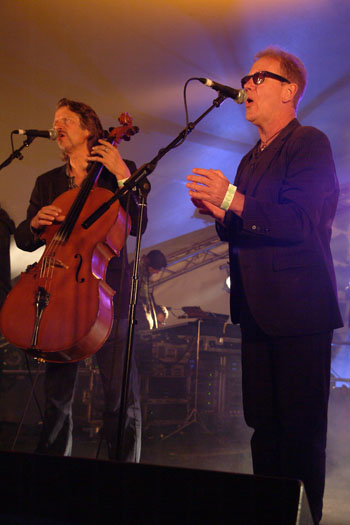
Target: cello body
[{"x": 61, "y": 309}]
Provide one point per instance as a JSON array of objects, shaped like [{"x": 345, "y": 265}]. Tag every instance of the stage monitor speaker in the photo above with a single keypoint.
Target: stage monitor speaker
[{"x": 57, "y": 490}]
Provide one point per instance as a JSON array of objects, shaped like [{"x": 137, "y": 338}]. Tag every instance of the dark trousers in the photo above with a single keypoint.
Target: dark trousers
[
  {"x": 285, "y": 398},
  {"x": 60, "y": 382}
]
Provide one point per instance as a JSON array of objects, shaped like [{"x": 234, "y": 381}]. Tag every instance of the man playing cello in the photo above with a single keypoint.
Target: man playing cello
[{"x": 80, "y": 139}]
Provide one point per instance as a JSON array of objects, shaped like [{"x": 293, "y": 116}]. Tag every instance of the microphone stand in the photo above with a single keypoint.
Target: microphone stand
[
  {"x": 143, "y": 191},
  {"x": 16, "y": 154},
  {"x": 138, "y": 179}
]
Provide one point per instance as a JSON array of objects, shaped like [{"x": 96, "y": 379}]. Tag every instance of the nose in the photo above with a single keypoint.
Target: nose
[
  {"x": 58, "y": 123},
  {"x": 249, "y": 84}
]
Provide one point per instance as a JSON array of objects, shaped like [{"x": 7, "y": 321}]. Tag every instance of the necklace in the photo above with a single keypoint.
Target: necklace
[
  {"x": 71, "y": 179},
  {"x": 265, "y": 143}
]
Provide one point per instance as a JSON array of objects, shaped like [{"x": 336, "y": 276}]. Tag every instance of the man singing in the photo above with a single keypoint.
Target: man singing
[
  {"x": 277, "y": 219},
  {"x": 80, "y": 139}
]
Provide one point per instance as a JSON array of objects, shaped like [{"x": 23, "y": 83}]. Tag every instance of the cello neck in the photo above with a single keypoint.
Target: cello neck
[
  {"x": 66, "y": 228},
  {"x": 122, "y": 132}
]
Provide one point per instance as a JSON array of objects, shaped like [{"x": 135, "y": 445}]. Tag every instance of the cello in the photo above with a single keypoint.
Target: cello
[{"x": 61, "y": 309}]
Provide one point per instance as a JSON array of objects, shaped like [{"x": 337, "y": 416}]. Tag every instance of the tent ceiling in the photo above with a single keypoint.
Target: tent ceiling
[{"x": 136, "y": 56}]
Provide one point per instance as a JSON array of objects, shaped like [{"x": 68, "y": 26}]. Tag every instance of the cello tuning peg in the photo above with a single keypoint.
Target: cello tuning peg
[{"x": 132, "y": 131}]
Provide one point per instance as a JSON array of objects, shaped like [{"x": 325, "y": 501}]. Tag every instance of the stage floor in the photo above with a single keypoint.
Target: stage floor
[{"x": 220, "y": 449}]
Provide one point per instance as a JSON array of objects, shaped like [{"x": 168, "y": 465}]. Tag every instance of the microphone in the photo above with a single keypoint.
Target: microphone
[
  {"x": 45, "y": 134},
  {"x": 238, "y": 95}
]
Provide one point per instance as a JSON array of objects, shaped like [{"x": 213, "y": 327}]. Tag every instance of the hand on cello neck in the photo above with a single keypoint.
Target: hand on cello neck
[{"x": 109, "y": 156}]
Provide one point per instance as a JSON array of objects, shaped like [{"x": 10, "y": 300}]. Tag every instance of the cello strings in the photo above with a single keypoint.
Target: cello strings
[{"x": 66, "y": 228}]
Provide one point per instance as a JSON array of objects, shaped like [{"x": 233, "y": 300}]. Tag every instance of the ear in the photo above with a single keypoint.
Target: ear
[{"x": 289, "y": 92}]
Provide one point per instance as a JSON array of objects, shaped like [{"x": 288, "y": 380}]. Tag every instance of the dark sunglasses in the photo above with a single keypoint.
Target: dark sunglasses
[{"x": 259, "y": 77}]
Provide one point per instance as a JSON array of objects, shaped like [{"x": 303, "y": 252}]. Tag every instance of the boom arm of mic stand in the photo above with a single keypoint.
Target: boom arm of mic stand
[
  {"x": 16, "y": 154},
  {"x": 139, "y": 175},
  {"x": 136, "y": 179}
]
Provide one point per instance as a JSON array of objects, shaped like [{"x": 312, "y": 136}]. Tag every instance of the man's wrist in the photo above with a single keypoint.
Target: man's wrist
[
  {"x": 229, "y": 195},
  {"x": 121, "y": 182}
]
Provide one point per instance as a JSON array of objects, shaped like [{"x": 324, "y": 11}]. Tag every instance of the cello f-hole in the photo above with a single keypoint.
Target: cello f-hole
[{"x": 78, "y": 256}]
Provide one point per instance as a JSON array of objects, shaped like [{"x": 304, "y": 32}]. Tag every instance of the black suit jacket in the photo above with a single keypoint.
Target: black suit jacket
[
  {"x": 280, "y": 248},
  {"x": 7, "y": 228}
]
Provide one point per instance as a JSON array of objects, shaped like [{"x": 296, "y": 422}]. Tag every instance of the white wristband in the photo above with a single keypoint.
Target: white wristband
[
  {"x": 230, "y": 193},
  {"x": 121, "y": 182}
]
